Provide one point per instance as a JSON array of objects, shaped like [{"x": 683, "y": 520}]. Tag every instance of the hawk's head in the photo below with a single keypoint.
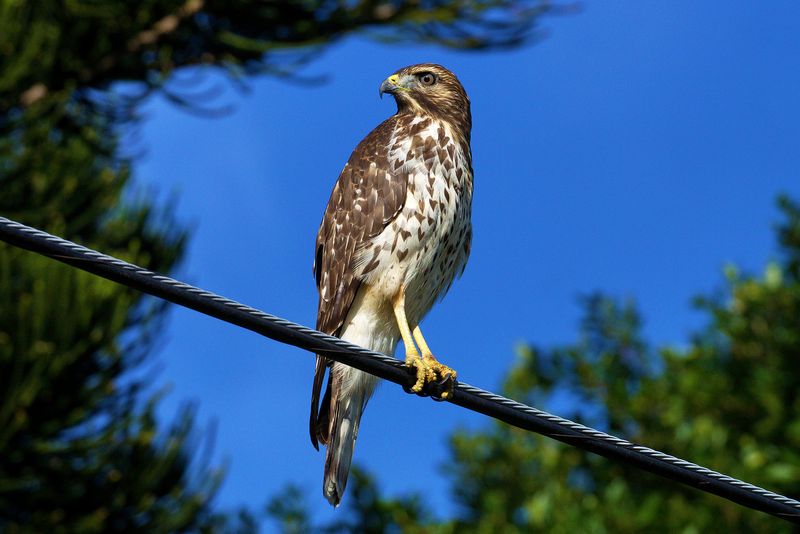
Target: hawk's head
[{"x": 429, "y": 89}]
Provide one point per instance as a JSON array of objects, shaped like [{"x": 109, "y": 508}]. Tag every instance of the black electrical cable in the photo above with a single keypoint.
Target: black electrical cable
[{"x": 470, "y": 397}]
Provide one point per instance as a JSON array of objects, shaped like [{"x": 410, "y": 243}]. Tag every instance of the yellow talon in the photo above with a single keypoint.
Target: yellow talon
[
  {"x": 415, "y": 362},
  {"x": 428, "y": 369},
  {"x": 444, "y": 372}
]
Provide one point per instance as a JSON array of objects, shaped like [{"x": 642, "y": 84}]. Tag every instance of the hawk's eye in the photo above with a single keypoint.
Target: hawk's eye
[{"x": 427, "y": 78}]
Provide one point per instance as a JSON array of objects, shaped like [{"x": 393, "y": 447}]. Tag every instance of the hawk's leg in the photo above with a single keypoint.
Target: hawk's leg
[{"x": 427, "y": 367}]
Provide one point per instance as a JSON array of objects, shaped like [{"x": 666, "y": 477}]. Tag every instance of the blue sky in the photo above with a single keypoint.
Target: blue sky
[{"x": 636, "y": 150}]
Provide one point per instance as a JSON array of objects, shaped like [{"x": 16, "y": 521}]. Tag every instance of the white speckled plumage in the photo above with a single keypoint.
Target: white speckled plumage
[{"x": 435, "y": 219}]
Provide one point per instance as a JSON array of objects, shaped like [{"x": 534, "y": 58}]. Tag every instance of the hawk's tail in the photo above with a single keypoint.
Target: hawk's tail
[{"x": 354, "y": 388}]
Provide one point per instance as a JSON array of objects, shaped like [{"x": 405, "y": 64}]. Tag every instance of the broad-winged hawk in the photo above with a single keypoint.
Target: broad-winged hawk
[{"x": 395, "y": 234}]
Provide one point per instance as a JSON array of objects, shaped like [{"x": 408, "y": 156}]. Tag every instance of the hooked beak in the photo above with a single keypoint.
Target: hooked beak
[{"x": 390, "y": 85}]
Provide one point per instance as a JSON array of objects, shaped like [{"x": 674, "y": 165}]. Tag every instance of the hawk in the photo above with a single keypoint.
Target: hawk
[{"x": 395, "y": 234}]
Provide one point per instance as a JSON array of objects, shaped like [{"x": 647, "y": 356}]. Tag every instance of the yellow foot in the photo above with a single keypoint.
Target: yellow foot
[{"x": 429, "y": 370}]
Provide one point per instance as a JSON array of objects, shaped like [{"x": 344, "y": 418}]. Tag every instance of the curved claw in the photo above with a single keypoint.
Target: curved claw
[
  {"x": 442, "y": 390},
  {"x": 431, "y": 375}
]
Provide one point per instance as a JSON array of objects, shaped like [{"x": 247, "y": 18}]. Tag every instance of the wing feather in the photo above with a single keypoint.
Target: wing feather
[{"x": 367, "y": 197}]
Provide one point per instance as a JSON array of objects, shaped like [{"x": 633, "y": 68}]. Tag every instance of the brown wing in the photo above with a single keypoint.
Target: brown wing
[{"x": 368, "y": 196}]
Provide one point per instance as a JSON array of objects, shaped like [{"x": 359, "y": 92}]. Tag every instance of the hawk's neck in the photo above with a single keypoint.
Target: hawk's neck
[{"x": 411, "y": 123}]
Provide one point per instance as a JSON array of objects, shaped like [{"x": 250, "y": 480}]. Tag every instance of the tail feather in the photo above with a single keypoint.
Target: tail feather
[
  {"x": 318, "y": 422},
  {"x": 370, "y": 323},
  {"x": 354, "y": 388}
]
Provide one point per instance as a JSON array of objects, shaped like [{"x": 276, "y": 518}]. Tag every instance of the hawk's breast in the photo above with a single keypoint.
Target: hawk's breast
[{"x": 427, "y": 244}]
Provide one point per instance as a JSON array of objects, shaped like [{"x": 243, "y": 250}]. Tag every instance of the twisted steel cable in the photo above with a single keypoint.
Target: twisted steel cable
[{"x": 389, "y": 368}]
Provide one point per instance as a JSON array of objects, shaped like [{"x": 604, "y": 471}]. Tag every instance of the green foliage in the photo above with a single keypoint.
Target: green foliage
[
  {"x": 368, "y": 512},
  {"x": 58, "y": 47},
  {"x": 729, "y": 400},
  {"x": 78, "y": 450}
]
